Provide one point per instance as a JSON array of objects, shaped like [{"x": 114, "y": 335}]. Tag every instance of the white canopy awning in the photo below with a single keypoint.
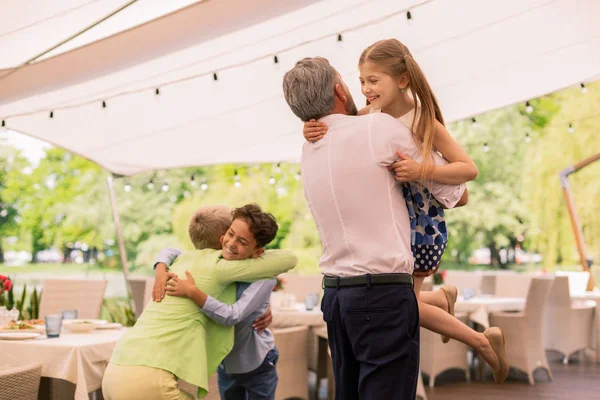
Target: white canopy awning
[{"x": 478, "y": 56}]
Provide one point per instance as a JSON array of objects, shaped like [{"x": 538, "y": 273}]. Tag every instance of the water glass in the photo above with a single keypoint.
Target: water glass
[
  {"x": 53, "y": 325},
  {"x": 311, "y": 300},
  {"x": 69, "y": 314},
  {"x": 468, "y": 293}
]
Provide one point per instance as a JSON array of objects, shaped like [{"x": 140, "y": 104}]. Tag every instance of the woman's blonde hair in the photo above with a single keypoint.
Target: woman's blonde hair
[
  {"x": 207, "y": 225},
  {"x": 396, "y": 59}
]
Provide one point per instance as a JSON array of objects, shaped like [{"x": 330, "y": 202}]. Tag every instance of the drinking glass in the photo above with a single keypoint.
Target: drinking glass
[
  {"x": 69, "y": 314},
  {"x": 311, "y": 300},
  {"x": 468, "y": 293},
  {"x": 53, "y": 325}
]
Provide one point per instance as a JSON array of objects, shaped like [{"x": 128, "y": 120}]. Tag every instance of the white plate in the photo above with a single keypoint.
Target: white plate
[
  {"x": 18, "y": 335},
  {"x": 80, "y": 327},
  {"x": 36, "y": 328},
  {"x": 110, "y": 325},
  {"x": 93, "y": 321}
]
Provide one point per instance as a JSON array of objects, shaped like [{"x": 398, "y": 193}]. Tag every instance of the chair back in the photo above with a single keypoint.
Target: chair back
[
  {"x": 538, "y": 293},
  {"x": 512, "y": 285},
  {"x": 559, "y": 295},
  {"x": 488, "y": 284},
  {"x": 301, "y": 285},
  {"x": 21, "y": 383},
  {"x": 85, "y": 296},
  {"x": 578, "y": 281},
  {"x": 141, "y": 291},
  {"x": 292, "y": 366},
  {"x": 463, "y": 279}
]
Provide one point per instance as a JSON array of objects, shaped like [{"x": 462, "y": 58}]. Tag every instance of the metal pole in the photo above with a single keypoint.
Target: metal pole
[
  {"x": 120, "y": 239},
  {"x": 577, "y": 231}
]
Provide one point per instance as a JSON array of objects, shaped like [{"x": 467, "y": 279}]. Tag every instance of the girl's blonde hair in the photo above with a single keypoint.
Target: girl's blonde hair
[{"x": 396, "y": 59}]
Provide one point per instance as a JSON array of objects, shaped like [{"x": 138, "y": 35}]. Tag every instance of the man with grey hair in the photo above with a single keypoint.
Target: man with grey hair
[{"x": 369, "y": 303}]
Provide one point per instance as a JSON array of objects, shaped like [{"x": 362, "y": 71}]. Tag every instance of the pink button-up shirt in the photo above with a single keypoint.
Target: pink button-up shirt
[{"x": 357, "y": 205}]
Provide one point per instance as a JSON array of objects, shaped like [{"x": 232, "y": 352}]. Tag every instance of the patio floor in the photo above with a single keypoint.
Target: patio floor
[{"x": 576, "y": 381}]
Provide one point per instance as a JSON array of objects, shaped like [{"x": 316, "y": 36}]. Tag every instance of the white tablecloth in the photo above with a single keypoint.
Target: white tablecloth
[
  {"x": 297, "y": 316},
  {"x": 78, "y": 358},
  {"x": 479, "y": 307},
  {"x": 595, "y": 296}
]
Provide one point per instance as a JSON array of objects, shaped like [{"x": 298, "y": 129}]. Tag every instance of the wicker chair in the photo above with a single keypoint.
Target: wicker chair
[
  {"x": 141, "y": 290},
  {"x": 85, "y": 296},
  {"x": 568, "y": 326},
  {"x": 523, "y": 330},
  {"x": 21, "y": 383},
  {"x": 437, "y": 357},
  {"x": 292, "y": 366}
]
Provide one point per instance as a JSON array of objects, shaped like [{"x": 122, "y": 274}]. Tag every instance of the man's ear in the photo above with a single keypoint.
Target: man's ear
[
  {"x": 340, "y": 93},
  {"x": 221, "y": 240},
  {"x": 258, "y": 252}
]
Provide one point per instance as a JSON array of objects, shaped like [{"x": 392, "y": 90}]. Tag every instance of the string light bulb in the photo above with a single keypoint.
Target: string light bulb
[
  {"x": 409, "y": 16},
  {"x": 527, "y": 138},
  {"x": 275, "y": 59},
  {"x": 297, "y": 176},
  {"x": 157, "y": 91},
  {"x": 51, "y": 114},
  {"x": 165, "y": 187},
  {"x": 127, "y": 187},
  {"x": 486, "y": 148},
  {"x": 340, "y": 38},
  {"x": 204, "y": 185},
  {"x": 528, "y": 107},
  {"x": 103, "y": 104},
  {"x": 278, "y": 168},
  {"x": 584, "y": 90},
  {"x": 571, "y": 128},
  {"x": 215, "y": 77},
  {"x": 3, "y": 127},
  {"x": 150, "y": 184},
  {"x": 193, "y": 181},
  {"x": 474, "y": 122},
  {"x": 272, "y": 180}
]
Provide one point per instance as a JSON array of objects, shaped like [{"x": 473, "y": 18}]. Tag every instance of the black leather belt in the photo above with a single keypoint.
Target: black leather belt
[{"x": 367, "y": 280}]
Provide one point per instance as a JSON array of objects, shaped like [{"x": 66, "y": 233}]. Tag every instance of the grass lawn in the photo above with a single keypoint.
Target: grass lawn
[{"x": 65, "y": 269}]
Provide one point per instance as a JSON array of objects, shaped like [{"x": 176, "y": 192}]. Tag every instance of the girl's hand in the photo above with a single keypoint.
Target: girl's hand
[
  {"x": 406, "y": 169},
  {"x": 314, "y": 131}
]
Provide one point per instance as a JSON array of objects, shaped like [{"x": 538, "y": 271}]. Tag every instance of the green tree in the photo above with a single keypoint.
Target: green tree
[
  {"x": 555, "y": 149},
  {"x": 12, "y": 165},
  {"x": 495, "y": 215}
]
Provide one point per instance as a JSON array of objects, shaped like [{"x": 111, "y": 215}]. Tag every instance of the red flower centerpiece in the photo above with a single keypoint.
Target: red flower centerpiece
[
  {"x": 5, "y": 286},
  {"x": 279, "y": 284}
]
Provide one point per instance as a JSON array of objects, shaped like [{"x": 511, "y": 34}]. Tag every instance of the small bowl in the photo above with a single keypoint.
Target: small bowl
[{"x": 80, "y": 327}]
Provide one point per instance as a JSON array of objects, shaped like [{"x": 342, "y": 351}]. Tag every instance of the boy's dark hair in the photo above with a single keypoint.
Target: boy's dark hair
[{"x": 262, "y": 224}]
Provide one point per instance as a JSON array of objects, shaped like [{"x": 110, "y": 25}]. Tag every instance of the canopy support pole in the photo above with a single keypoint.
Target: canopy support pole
[
  {"x": 120, "y": 238},
  {"x": 564, "y": 181}
]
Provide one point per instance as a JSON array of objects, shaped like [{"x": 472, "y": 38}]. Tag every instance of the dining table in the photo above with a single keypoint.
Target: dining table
[
  {"x": 478, "y": 308},
  {"x": 79, "y": 358}
]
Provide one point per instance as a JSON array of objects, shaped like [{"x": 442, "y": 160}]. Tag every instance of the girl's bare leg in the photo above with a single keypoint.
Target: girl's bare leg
[{"x": 439, "y": 321}]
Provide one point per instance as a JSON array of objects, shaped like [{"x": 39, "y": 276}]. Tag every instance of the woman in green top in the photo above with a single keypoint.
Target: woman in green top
[{"x": 174, "y": 339}]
